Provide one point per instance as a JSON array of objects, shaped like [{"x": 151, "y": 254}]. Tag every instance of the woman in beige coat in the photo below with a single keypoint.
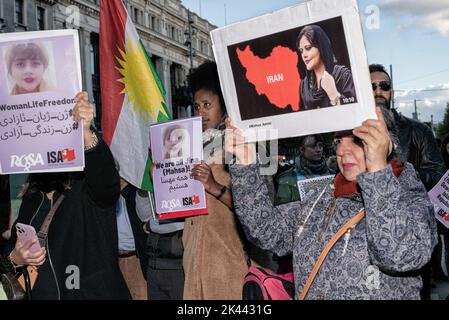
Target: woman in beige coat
[{"x": 214, "y": 261}]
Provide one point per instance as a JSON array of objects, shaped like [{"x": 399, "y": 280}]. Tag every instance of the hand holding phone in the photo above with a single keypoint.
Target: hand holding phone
[{"x": 25, "y": 233}]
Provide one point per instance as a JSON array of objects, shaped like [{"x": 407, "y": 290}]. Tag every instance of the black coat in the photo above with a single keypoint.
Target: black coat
[
  {"x": 83, "y": 233},
  {"x": 418, "y": 146},
  {"x": 4, "y": 203}
]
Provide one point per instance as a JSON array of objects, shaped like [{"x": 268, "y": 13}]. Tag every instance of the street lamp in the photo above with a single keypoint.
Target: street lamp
[
  {"x": 189, "y": 33},
  {"x": 415, "y": 114}
]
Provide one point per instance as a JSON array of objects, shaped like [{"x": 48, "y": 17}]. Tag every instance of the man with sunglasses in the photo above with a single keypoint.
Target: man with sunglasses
[{"x": 417, "y": 145}]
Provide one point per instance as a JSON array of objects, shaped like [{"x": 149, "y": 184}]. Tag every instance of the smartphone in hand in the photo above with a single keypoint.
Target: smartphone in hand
[{"x": 25, "y": 233}]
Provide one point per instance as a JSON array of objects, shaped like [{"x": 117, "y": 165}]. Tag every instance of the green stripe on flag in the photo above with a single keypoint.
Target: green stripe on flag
[
  {"x": 161, "y": 117},
  {"x": 146, "y": 181}
]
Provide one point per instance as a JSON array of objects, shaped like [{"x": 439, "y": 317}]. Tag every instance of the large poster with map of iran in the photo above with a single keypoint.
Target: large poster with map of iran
[{"x": 297, "y": 71}]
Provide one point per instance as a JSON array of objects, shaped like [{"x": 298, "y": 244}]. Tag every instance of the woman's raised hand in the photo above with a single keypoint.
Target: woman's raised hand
[
  {"x": 328, "y": 84},
  {"x": 235, "y": 144},
  {"x": 376, "y": 142},
  {"x": 83, "y": 110},
  {"x": 203, "y": 173}
]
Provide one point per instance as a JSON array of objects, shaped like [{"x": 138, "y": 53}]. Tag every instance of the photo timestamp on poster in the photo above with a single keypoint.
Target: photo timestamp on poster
[
  {"x": 297, "y": 71},
  {"x": 175, "y": 147},
  {"x": 41, "y": 73}
]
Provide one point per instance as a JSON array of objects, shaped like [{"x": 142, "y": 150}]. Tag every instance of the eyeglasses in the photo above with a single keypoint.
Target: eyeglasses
[{"x": 383, "y": 85}]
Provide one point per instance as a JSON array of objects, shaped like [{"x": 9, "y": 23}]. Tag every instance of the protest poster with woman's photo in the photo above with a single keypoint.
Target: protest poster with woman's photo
[
  {"x": 175, "y": 147},
  {"x": 301, "y": 70},
  {"x": 41, "y": 72}
]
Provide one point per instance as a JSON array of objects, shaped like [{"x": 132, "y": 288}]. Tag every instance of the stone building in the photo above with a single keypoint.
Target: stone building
[{"x": 163, "y": 26}]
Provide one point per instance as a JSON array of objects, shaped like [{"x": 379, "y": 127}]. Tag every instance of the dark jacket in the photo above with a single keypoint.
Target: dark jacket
[
  {"x": 82, "y": 234},
  {"x": 4, "y": 203},
  {"x": 314, "y": 98},
  {"x": 418, "y": 146}
]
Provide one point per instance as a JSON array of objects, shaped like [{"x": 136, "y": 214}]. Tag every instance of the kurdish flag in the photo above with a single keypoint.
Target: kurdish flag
[{"x": 132, "y": 94}]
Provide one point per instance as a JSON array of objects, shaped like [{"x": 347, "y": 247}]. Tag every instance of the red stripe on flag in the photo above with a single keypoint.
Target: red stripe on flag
[{"x": 113, "y": 18}]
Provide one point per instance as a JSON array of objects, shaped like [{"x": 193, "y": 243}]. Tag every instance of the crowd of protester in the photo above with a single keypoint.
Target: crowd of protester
[{"x": 382, "y": 171}]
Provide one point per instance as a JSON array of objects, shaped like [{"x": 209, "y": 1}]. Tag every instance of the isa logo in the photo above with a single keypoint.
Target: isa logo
[
  {"x": 55, "y": 157},
  {"x": 191, "y": 201}
]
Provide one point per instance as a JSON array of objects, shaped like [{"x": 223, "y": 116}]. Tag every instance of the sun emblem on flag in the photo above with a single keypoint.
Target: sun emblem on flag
[{"x": 140, "y": 84}]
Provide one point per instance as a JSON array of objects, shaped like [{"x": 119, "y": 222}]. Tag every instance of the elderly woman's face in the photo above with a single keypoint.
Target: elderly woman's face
[
  {"x": 350, "y": 157},
  {"x": 309, "y": 54},
  {"x": 207, "y": 105}
]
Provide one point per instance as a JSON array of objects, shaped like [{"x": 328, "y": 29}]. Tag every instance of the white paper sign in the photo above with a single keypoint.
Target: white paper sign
[
  {"x": 300, "y": 70},
  {"x": 311, "y": 188}
]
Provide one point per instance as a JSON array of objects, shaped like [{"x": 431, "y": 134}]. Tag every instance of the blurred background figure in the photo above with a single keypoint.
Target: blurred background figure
[{"x": 310, "y": 163}]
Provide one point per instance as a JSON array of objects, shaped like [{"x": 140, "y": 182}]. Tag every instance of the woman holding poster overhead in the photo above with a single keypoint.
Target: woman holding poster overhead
[
  {"x": 214, "y": 261},
  {"x": 364, "y": 237},
  {"x": 326, "y": 83}
]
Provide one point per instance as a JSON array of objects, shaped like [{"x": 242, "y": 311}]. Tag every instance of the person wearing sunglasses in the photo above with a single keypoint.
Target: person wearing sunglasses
[{"x": 416, "y": 141}]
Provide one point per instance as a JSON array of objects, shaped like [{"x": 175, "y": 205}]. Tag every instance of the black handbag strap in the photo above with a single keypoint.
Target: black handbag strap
[{"x": 43, "y": 232}]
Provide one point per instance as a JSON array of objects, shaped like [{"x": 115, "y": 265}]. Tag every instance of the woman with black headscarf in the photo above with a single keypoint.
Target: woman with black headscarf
[{"x": 326, "y": 83}]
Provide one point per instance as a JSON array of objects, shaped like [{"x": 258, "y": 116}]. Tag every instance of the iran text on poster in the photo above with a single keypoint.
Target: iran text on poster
[
  {"x": 175, "y": 147},
  {"x": 300, "y": 70},
  {"x": 41, "y": 73}
]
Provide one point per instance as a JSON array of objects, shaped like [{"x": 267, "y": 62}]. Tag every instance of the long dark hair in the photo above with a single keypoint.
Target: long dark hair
[
  {"x": 319, "y": 39},
  {"x": 206, "y": 77}
]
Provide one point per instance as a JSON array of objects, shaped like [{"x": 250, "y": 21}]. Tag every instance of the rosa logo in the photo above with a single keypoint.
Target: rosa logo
[
  {"x": 26, "y": 161},
  {"x": 177, "y": 203},
  {"x": 171, "y": 204}
]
